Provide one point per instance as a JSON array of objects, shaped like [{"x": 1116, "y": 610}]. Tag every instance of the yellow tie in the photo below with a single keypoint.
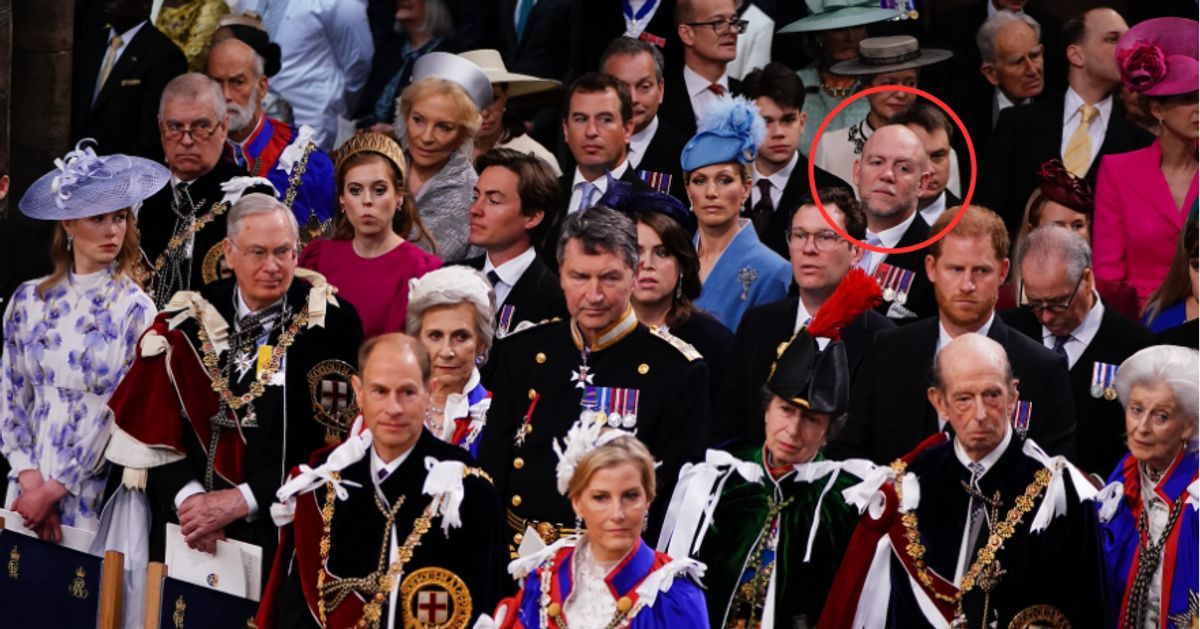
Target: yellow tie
[
  {"x": 1078, "y": 156},
  {"x": 109, "y": 60}
]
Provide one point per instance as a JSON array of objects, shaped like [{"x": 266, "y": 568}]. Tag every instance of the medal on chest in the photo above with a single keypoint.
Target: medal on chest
[
  {"x": 613, "y": 406},
  {"x": 1104, "y": 377}
]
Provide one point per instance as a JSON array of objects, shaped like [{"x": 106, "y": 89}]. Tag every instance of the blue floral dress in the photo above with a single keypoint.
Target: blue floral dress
[{"x": 64, "y": 353}]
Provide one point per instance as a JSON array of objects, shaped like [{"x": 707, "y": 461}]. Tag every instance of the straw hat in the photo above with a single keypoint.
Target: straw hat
[{"x": 493, "y": 67}]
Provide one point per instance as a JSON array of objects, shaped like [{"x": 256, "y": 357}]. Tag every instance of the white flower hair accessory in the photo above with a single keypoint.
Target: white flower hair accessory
[{"x": 582, "y": 438}]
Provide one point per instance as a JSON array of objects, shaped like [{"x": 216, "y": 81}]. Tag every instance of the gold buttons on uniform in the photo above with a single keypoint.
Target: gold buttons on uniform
[
  {"x": 532, "y": 394},
  {"x": 540, "y": 358},
  {"x": 554, "y": 609},
  {"x": 517, "y": 538},
  {"x": 643, "y": 369},
  {"x": 516, "y": 501},
  {"x": 623, "y": 604},
  {"x": 518, "y": 463}
]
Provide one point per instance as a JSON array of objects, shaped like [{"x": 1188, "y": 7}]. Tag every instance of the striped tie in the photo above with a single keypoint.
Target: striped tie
[{"x": 1078, "y": 156}]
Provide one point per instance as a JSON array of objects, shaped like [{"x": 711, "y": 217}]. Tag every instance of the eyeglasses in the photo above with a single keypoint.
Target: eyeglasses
[
  {"x": 1040, "y": 306},
  {"x": 823, "y": 240},
  {"x": 200, "y": 130},
  {"x": 722, "y": 27},
  {"x": 259, "y": 255}
]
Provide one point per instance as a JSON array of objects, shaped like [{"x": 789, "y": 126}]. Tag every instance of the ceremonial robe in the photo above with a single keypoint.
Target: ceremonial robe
[
  {"x": 277, "y": 151},
  {"x": 1180, "y": 562},
  {"x": 663, "y": 380},
  {"x": 763, "y": 532},
  {"x": 746, "y": 275},
  {"x": 662, "y": 592},
  {"x": 164, "y": 405},
  {"x": 1044, "y": 576},
  {"x": 454, "y": 571}
]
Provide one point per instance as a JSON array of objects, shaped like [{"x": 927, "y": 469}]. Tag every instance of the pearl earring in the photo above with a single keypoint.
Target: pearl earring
[{"x": 70, "y": 241}]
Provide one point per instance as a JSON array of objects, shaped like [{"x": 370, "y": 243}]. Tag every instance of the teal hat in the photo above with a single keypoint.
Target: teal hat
[
  {"x": 730, "y": 131},
  {"x": 828, "y": 15}
]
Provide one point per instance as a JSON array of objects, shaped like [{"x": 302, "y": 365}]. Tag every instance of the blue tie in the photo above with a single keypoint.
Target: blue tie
[
  {"x": 523, "y": 10},
  {"x": 1060, "y": 343},
  {"x": 585, "y": 199}
]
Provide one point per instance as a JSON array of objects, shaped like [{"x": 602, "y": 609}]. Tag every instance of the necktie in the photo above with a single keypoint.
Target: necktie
[
  {"x": 1060, "y": 345},
  {"x": 110, "y": 59},
  {"x": 524, "y": 8},
  {"x": 493, "y": 277},
  {"x": 761, "y": 213},
  {"x": 868, "y": 258},
  {"x": 1078, "y": 156},
  {"x": 589, "y": 190},
  {"x": 717, "y": 88},
  {"x": 184, "y": 199},
  {"x": 978, "y": 515},
  {"x": 383, "y": 473}
]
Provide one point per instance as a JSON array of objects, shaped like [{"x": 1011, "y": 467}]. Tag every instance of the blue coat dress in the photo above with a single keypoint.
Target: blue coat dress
[{"x": 747, "y": 274}]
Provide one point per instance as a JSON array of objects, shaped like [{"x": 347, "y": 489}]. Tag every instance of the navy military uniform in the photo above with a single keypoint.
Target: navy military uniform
[{"x": 646, "y": 382}]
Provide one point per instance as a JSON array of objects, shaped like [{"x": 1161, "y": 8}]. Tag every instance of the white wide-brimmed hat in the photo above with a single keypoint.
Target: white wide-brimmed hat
[{"x": 493, "y": 67}]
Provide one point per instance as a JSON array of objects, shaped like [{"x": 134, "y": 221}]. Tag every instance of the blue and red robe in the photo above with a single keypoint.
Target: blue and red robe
[
  {"x": 259, "y": 154},
  {"x": 1181, "y": 556},
  {"x": 680, "y": 605}
]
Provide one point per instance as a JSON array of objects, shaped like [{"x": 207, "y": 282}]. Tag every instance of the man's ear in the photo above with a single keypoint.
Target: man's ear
[
  {"x": 226, "y": 248},
  {"x": 937, "y": 400},
  {"x": 930, "y": 266},
  {"x": 534, "y": 220},
  {"x": 1075, "y": 56},
  {"x": 686, "y": 35},
  {"x": 3, "y": 187},
  {"x": 356, "y": 384},
  {"x": 989, "y": 72}
]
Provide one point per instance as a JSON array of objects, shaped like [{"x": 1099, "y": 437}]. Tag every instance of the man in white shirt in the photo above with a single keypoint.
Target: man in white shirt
[
  {"x": 655, "y": 146},
  {"x": 890, "y": 176},
  {"x": 709, "y": 30},
  {"x": 1063, "y": 311},
  {"x": 1027, "y": 136},
  {"x": 514, "y": 195},
  {"x": 326, "y": 48}
]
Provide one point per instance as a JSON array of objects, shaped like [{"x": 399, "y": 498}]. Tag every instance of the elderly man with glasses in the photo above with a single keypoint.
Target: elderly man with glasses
[
  {"x": 1062, "y": 310},
  {"x": 230, "y": 389},
  {"x": 183, "y": 224},
  {"x": 709, "y": 31}
]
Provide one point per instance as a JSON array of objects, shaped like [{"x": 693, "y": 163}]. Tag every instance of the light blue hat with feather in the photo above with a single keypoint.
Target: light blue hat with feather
[{"x": 730, "y": 131}]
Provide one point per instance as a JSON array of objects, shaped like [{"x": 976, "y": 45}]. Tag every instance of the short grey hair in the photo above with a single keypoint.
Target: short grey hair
[
  {"x": 1176, "y": 367},
  {"x": 253, "y": 204},
  {"x": 450, "y": 286},
  {"x": 985, "y": 38},
  {"x": 438, "y": 21},
  {"x": 1057, "y": 243},
  {"x": 937, "y": 375},
  {"x": 194, "y": 86},
  {"x": 600, "y": 230},
  {"x": 633, "y": 47}
]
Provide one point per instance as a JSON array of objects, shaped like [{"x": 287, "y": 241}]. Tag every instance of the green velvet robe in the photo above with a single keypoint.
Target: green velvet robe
[{"x": 740, "y": 518}]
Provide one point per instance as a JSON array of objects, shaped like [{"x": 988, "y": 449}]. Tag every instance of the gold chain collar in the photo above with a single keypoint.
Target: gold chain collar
[{"x": 220, "y": 382}]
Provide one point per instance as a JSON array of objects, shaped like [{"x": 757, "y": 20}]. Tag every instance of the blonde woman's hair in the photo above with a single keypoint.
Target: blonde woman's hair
[
  {"x": 626, "y": 449},
  {"x": 466, "y": 115}
]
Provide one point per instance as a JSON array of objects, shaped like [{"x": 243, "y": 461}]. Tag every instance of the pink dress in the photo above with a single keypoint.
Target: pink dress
[{"x": 376, "y": 287}]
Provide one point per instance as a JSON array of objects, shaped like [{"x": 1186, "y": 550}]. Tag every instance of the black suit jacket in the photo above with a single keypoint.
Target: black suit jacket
[
  {"x": 889, "y": 410},
  {"x": 605, "y": 22},
  {"x": 1186, "y": 334},
  {"x": 795, "y": 190},
  {"x": 759, "y": 335},
  {"x": 662, "y": 156},
  {"x": 536, "y": 297},
  {"x": 1028, "y": 135},
  {"x": 123, "y": 119},
  {"x": 1100, "y": 423},
  {"x": 956, "y": 29},
  {"x": 548, "y": 49},
  {"x": 676, "y": 108},
  {"x": 921, "y": 300},
  {"x": 549, "y": 249}
]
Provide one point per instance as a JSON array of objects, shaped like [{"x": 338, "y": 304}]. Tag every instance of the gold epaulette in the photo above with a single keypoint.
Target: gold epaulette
[
  {"x": 683, "y": 346},
  {"x": 478, "y": 473}
]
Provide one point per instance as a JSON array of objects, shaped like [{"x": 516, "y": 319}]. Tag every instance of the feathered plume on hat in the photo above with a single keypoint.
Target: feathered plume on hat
[
  {"x": 582, "y": 438},
  {"x": 730, "y": 130}
]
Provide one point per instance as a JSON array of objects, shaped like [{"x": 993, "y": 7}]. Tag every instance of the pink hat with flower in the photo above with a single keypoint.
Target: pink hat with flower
[{"x": 1158, "y": 57}]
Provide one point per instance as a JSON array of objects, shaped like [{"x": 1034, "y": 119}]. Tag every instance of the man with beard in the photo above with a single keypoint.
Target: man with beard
[
  {"x": 301, "y": 172},
  {"x": 184, "y": 223},
  {"x": 889, "y": 413},
  {"x": 890, "y": 176}
]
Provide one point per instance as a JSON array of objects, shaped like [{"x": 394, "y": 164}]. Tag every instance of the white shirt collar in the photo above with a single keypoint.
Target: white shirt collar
[
  {"x": 641, "y": 141},
  {"x": 510, "y": 272},
  {"x": 377, "y": 464},
  {"x": 991, "y": 457},
  {"x": 891, "y": 236},
  {"x": 803, "y": 315},
  {"x": 128, "y": 35},
  {"x": 944, "y": 337},
  {"x": 244, "y": 310},
  {"x": 935, "y": 209},
  {"x": 779, "y": 179},
  {"x": 601, "y": 183},
  {"x": 1081, "y": 336},
  {"x": 1073, "y": 101},
  {"x": 697, "y": 84},
  {"x": 1002, "y": 101}
]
